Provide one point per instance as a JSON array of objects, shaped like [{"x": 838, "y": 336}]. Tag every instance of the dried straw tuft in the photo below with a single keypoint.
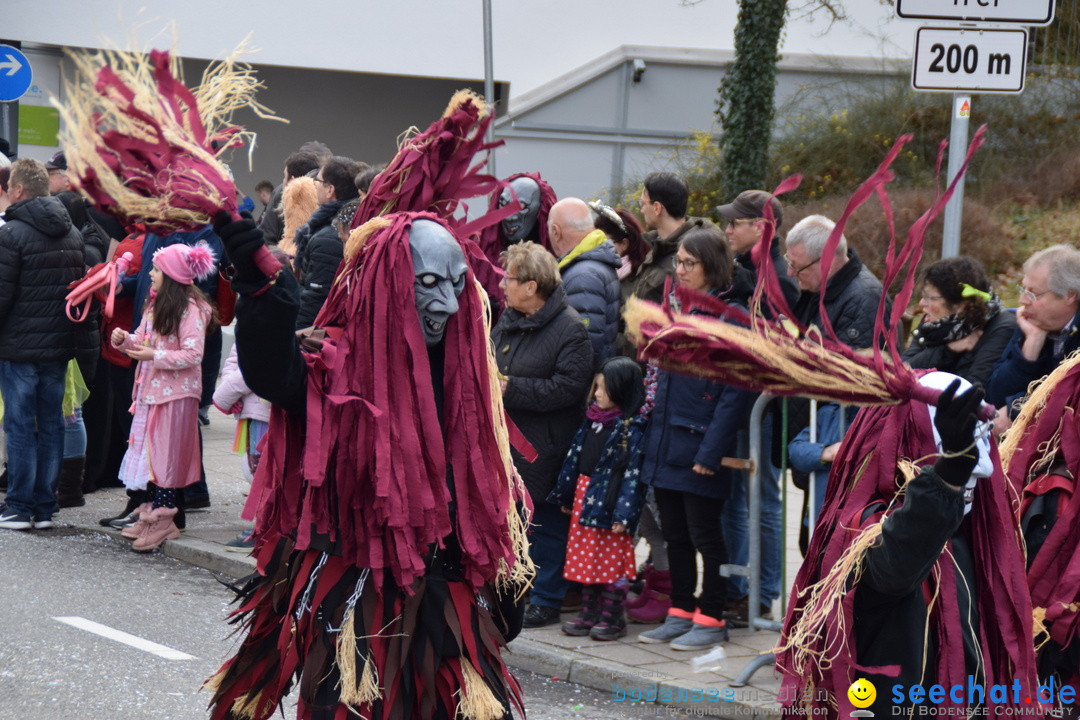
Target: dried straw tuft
[{"x": 139, "y": 143}]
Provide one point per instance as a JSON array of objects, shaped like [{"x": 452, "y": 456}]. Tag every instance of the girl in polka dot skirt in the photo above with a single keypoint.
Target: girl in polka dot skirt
[{"x": 600, "y": 488}]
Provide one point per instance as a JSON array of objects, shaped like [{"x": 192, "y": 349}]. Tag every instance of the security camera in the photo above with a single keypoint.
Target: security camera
[{"x": 639, "y": 69}]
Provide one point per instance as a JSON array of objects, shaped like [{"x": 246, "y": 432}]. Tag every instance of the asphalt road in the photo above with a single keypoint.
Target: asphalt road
[{"x": 53, "y": 669}]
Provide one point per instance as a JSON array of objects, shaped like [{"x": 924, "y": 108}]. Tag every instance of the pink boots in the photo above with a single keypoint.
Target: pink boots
[
  {"x": 161, "y": 527},
  {"x": 651, "y": 606}
]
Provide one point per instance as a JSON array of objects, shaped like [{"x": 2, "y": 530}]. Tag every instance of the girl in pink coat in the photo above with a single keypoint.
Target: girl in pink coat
[{"x": 163, "y": 449}]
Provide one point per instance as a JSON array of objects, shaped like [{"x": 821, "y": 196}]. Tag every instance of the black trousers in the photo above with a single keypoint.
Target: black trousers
[
  {"x": 691, "y": 525},
  {"x": 108, "y": 424}
]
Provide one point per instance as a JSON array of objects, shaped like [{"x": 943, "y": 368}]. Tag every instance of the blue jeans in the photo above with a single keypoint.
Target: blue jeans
[
  {"x": 34, "y": 427},
  {"x": 735, "y": 521},
  {"x": 547, "y": 546},
  {"x": 75, "y": 436}
]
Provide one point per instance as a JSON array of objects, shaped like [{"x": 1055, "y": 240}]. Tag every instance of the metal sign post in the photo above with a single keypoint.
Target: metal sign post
[{"x": 954, "y": 209}]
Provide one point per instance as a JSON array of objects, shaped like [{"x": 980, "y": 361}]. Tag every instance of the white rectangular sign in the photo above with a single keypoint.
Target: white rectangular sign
[
  {"x": 1024, "y": 12},
  {"x": 988, "y": 60}
]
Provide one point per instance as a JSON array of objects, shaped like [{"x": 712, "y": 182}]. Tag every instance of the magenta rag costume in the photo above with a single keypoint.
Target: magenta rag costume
[{"x": 389, "y": 536}]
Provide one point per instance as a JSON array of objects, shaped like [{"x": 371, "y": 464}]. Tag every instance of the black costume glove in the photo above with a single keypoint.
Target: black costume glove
[
  {"x": 955, "y": 420},
  {"x": 244, "y": 245}
]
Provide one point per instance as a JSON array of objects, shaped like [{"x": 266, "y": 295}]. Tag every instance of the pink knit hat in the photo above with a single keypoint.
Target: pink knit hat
[{"x": 185, "y": 263}]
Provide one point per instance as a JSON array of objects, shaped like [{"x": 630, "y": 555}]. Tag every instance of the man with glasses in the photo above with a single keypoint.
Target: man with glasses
[
  {"x": 1046, "y": 327},
  {"x": 663, "y": 203},
  {"x": 745, "y": 223},
  {"x": 851, "y": 291},
  {"x": 324, "y": 251}
]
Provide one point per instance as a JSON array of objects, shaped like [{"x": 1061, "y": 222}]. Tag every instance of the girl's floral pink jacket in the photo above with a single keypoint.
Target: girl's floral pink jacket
[{"x": 176, "y": 370}]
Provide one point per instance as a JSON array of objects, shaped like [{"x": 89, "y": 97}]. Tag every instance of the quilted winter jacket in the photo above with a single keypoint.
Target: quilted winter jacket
[
  {"x": 232, "y": 392},
  {"x": 592, "y": 288},
  {"x": 547, "y": 359},
  {"x": 40, "y": 254}
]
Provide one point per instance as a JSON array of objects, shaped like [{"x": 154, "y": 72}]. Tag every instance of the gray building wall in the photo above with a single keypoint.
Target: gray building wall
[{"x": 591, "y": 132}]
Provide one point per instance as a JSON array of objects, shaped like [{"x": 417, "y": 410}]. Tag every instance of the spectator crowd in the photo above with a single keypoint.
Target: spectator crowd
[{"x": 625, "y": 451}]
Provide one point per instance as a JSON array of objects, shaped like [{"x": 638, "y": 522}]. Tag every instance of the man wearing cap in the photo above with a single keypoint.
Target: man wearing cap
[
  {"x": 745, "y": 224},
  {"x": 58, "y": 177}
]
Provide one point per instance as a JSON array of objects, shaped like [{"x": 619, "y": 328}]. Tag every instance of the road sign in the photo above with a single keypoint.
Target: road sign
[
  {"x": 15, "y": 74},
  {"x": 989, "y": 60},
  {"x": 1023, "y": 12}
]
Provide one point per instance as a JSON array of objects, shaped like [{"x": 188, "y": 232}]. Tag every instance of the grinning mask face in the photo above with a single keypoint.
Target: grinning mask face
[
  {"x": 518, "y": 226},
  {"x": 440, "y": 268}
]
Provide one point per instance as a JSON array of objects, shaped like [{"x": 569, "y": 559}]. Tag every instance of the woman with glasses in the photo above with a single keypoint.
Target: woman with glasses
[
  {"x": 964, "y": 329},
  {"x": 545, "y": 361},
  {"x": 694, "y": 425}
]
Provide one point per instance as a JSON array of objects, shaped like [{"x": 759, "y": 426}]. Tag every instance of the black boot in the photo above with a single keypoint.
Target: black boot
[
  {"x": 69, "y": 486},
  {"x": 135, "y": 499},
  {"x": 612, "y": 623},
  {"x": 590, "y": 612}
]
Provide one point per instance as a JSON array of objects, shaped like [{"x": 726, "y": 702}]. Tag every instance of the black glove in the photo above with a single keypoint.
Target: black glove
[
  {"x": 242, "y": 240},
  {"x": 955, "y": 420}
]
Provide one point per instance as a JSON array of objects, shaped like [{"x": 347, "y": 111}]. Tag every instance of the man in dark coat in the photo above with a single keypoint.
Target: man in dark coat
[
  {"x": 40, "y": 254},
  {"x": 272, "y": 222},
  {"x": 663, "y": 203},
  {"x": 745, "y": 225},
  {"x": 324, "y": 251},
  {"x": 588, "y": 263},
  {"x": 1047, "y": 326},
  {"x": 851, "y": 291}
]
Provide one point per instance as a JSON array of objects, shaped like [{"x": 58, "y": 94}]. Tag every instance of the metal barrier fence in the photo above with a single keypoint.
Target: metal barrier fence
[{"x": 752, "y": 570}]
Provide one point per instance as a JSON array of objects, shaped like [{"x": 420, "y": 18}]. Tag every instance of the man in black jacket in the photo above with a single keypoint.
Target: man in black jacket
[
  {"x": 324, "y": 251},
  {"x": 40, "y": 254},
  {"x": 745, "y": 225},
  {"x": 851, "y": 291}
]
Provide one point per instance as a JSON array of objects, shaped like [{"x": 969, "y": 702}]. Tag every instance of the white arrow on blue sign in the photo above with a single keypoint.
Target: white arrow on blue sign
[{"x": 16, "y": 76}]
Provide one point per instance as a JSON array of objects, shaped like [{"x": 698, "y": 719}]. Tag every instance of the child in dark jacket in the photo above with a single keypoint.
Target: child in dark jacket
[{"x": 600, "y": 488}]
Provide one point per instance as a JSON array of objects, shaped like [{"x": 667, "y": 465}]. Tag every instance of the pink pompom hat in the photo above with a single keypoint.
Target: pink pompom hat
[{"x": 185, "y": 263}]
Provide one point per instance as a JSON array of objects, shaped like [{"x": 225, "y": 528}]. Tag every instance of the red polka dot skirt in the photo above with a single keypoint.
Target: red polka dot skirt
[{"x": 595, "y": 555}]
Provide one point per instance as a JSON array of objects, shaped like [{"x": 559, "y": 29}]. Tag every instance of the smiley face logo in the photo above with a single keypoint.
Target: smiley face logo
[{"x": 862, "y": 693}]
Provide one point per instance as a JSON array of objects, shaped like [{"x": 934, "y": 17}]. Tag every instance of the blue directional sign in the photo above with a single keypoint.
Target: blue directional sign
[{"x": 15, "y": 74}]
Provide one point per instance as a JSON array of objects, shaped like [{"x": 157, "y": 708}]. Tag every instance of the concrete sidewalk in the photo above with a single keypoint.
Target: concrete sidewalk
[{"x": 631, "y": 671}]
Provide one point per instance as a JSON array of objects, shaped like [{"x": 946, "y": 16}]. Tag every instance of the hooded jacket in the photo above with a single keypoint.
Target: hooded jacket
[
  {"x": 592, "y": 288},
  {"x": 41, "y": 252},
  {"x": 548, "y": 360}
]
